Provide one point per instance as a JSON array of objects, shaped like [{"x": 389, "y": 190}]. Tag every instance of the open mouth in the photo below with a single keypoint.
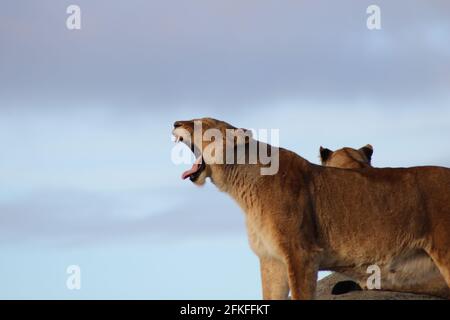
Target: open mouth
[{"x": 199, "y": 165}]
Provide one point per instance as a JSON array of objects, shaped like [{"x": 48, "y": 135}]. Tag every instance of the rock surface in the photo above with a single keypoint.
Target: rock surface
[{"x": 325, "y": 287}]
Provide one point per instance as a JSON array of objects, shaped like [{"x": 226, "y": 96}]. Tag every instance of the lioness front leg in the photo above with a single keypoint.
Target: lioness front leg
[
  {"x": 302, "y": 275},
  {"x": 274, "y": 279}
]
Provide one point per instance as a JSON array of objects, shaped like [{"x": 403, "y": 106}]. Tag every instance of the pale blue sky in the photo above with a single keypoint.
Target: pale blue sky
[{"x": 85, "y": 119}]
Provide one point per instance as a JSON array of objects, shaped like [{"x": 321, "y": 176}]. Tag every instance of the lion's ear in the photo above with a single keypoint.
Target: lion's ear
[
  {"x": 368, "y": 151},
  {"x": 325, "y": 154}
]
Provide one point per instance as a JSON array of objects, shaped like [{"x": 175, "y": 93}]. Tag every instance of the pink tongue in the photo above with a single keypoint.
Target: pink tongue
[{"x": 192, "y": 170}]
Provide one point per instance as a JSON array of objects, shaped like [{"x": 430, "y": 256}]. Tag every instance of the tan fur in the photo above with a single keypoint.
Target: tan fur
[
  {"x": 415, "y": 273},
  {"x": 348, "y": 158},
  {"x": 308, "y": 218}
]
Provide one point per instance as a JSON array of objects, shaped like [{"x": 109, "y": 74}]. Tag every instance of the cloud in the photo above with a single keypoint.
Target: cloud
[
  {"x": 224, "y": 52},
  {"x": 74, "y": 217}
]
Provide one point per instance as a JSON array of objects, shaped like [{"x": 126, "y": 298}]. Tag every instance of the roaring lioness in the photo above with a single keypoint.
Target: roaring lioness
[
  {"x": 416, "y": 273},
  {"x": 307, "y": 218}
]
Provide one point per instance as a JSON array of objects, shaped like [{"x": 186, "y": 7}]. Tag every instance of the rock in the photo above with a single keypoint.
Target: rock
[{"x": 326, "y": 285}]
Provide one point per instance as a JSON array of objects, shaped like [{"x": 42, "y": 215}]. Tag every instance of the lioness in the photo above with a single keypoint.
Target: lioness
[
  {"x": 417, "y": 273},
  {"x": 348, "y": 158},
  {"x": 308, "y": 217}
]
